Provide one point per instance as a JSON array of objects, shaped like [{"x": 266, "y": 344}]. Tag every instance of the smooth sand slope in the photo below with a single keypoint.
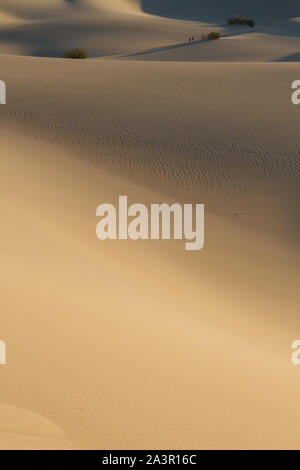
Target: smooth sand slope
[
  {"x": 138, "y": 345},
  {"x": 118, "y": 345},
  {"x": 24, "y": 429},
  {"x": 142, "y": 345}
]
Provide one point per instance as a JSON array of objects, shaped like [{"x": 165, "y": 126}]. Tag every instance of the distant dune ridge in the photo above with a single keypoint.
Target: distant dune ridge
[
  {"x": 105, "y": 28},
  {"x": 139, "y": 344}
]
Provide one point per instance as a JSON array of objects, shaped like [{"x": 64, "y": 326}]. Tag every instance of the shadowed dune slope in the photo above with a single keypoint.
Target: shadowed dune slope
[
  {"x": 220, "y": 10},
  {"x": 280, "y": 41}
]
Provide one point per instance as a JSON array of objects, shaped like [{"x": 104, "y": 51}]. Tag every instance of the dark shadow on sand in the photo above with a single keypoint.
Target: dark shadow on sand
[
  {"x": 290, "y": 58},
  {"x": 217, "y": 11}
]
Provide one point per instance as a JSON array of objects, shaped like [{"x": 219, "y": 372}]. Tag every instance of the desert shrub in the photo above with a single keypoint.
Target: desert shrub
[
  {"x": 242, "y": 20},
  {"x": 231, "y": 21},
  {"x": 250, "y": 23},
  {"x": 213, "y": 35},
  {"x": 236, "y": 20},
  {"x": 75, "y": 54}
]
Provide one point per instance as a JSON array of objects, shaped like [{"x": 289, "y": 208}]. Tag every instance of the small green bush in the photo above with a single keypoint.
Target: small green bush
[
  {"x": 213, "y": 35},
  {"x": 241, "y": 20},
  {"x": 75, "y": 54},
  {"x": 269, "y": 23}
]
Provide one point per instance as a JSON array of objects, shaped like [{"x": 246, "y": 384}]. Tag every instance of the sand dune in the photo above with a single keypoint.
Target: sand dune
[
  {"x": 136, "y": 128},
  {"x": 99, "y": 335},
  {"x": 102, "y": 348},
  {"x": 20, "y": 429},
  {"x": 278, "y": 42},
  {"x": 7, "y": 19},
  {"x": 122, "y": 344},
  {"x": 119, "y": 27},
  {"x": 104, "y": 28}
]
